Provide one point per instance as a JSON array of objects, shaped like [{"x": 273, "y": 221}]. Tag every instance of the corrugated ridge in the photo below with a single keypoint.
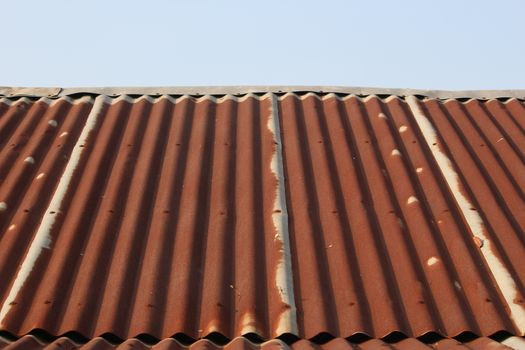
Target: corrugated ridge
[
  {"x": 404, "y": 175},
  {"x": 35, "y": 137},
  {"x": 32, "y": 342},
  {"x": 490, "y": 185},
  {"x": 125, "y": 213},
  {"x": 167, "y": 226}
]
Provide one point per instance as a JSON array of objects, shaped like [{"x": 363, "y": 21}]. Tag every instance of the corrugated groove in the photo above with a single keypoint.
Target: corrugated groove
[
  {"x": 30, "y": 342},
  {"x": 485, "y": 184},
  {"x": 29, "y": 185},
  {"x": 405, "y": 217},
  {"x": 167, "y": 226},
  {"x": 142, "y": 207}
]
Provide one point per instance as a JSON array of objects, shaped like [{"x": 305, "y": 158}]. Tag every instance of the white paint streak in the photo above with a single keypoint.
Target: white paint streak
[
  {"x": 63, "y": 134},
  {"x": 42, "y": 239},
  {"x": 12, "y": 227},
  {"x": 419, "y": 170},
  {"x": 432, "y": 261},
  {"x": 29, "y": 160},
  {"x": 502, "y": 276},
  {"x": 403, "y": 128},
  {"x": 382, "y": 115},
  {"x": 39, "y": 176},
  {"x": 283, "y": 278}
]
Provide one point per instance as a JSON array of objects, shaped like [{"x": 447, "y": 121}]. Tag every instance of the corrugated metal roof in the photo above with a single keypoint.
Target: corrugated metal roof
[
  {"x": 267, "y": 214},
  {"x": 30, "y": 342}
]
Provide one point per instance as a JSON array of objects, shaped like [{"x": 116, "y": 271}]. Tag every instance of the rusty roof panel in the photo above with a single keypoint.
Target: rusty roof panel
[
  {"x": 265, "y": 214},
  {"x": 378, "y": 239},
  {"x": 166, "y": 227}
]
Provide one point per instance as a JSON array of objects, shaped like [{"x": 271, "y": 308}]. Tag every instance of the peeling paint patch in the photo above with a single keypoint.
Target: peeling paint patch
[
  {"x": 395, "y": 152},
  {"x": 432, "y": 261},
  {"x": 382, "y": 116},
  {"x": 403, "y": 128},
  {"x": 516, "y": 343},
  {"x": 53, "y": 123},
  {"x": 29, "y": 160},
  {"x": 3, "y": 206},
  {"x": 419, "y": 170},
  {"x": 502, "y": 276},
  {"x": 42, "y": 238},
  {"x": 287, "y": 322},
  {"x": 412, "y": 199}
]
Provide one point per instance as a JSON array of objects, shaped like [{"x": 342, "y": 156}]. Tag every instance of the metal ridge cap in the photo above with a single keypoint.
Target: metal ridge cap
[{"x": 240, "y": 89}]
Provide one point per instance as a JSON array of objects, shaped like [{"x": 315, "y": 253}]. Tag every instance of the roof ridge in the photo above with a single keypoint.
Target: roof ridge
[{"x": 246, "y": 89}]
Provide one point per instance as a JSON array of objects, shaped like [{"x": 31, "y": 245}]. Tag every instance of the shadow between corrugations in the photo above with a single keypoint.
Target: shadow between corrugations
[{"x": 251, "y": 339}]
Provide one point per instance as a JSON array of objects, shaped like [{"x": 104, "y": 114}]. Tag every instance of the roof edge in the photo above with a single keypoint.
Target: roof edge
[{"x": 235, "y": 90}]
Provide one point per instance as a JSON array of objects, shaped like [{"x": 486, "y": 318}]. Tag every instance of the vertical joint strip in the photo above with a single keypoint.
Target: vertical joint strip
[
  {"x": 287, "y": 322},
  {"x": 42, "y": 239},
  {"x": 503, "y": 278}
]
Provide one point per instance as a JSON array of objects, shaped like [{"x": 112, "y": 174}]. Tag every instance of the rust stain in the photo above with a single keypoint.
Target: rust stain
[{"x": 271, "y": 214}]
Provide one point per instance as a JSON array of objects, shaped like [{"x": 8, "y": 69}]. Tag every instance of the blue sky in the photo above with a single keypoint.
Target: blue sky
[{"x": 404, "y": 44}]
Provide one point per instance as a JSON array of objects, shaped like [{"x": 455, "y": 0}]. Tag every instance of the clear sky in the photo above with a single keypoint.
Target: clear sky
[{"x": 449, "y": 44}]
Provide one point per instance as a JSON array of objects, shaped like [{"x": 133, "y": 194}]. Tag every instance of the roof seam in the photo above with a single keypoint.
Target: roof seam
[{"x": 283, "y": 277}]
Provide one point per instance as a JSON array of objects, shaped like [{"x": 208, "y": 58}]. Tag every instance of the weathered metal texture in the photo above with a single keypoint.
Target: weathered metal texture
[
  {"x": 379, "y": 242},
  {"x": 30, "y": 342},
  {"x": 162, "y": 216},
  {"x": 166, "y": 226}
]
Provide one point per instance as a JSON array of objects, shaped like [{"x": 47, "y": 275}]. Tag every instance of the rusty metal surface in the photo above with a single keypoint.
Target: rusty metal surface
[
  {"x": 30, "y": 342},
  {"x": 379, "y": 242},
  {"x": 270, "y": 214}
]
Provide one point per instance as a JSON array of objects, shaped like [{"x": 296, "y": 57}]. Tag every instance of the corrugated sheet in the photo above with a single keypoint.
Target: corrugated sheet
[
  {"x": 261, "y": 214},
  {"x": 379, "y": 242},
  {"x": 30, "y": 342}
]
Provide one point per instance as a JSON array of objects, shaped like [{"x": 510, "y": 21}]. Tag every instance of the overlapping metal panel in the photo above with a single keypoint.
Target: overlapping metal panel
[
  {"x": 265, "y": 214},
  {"x": 379, "y": 240}
]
